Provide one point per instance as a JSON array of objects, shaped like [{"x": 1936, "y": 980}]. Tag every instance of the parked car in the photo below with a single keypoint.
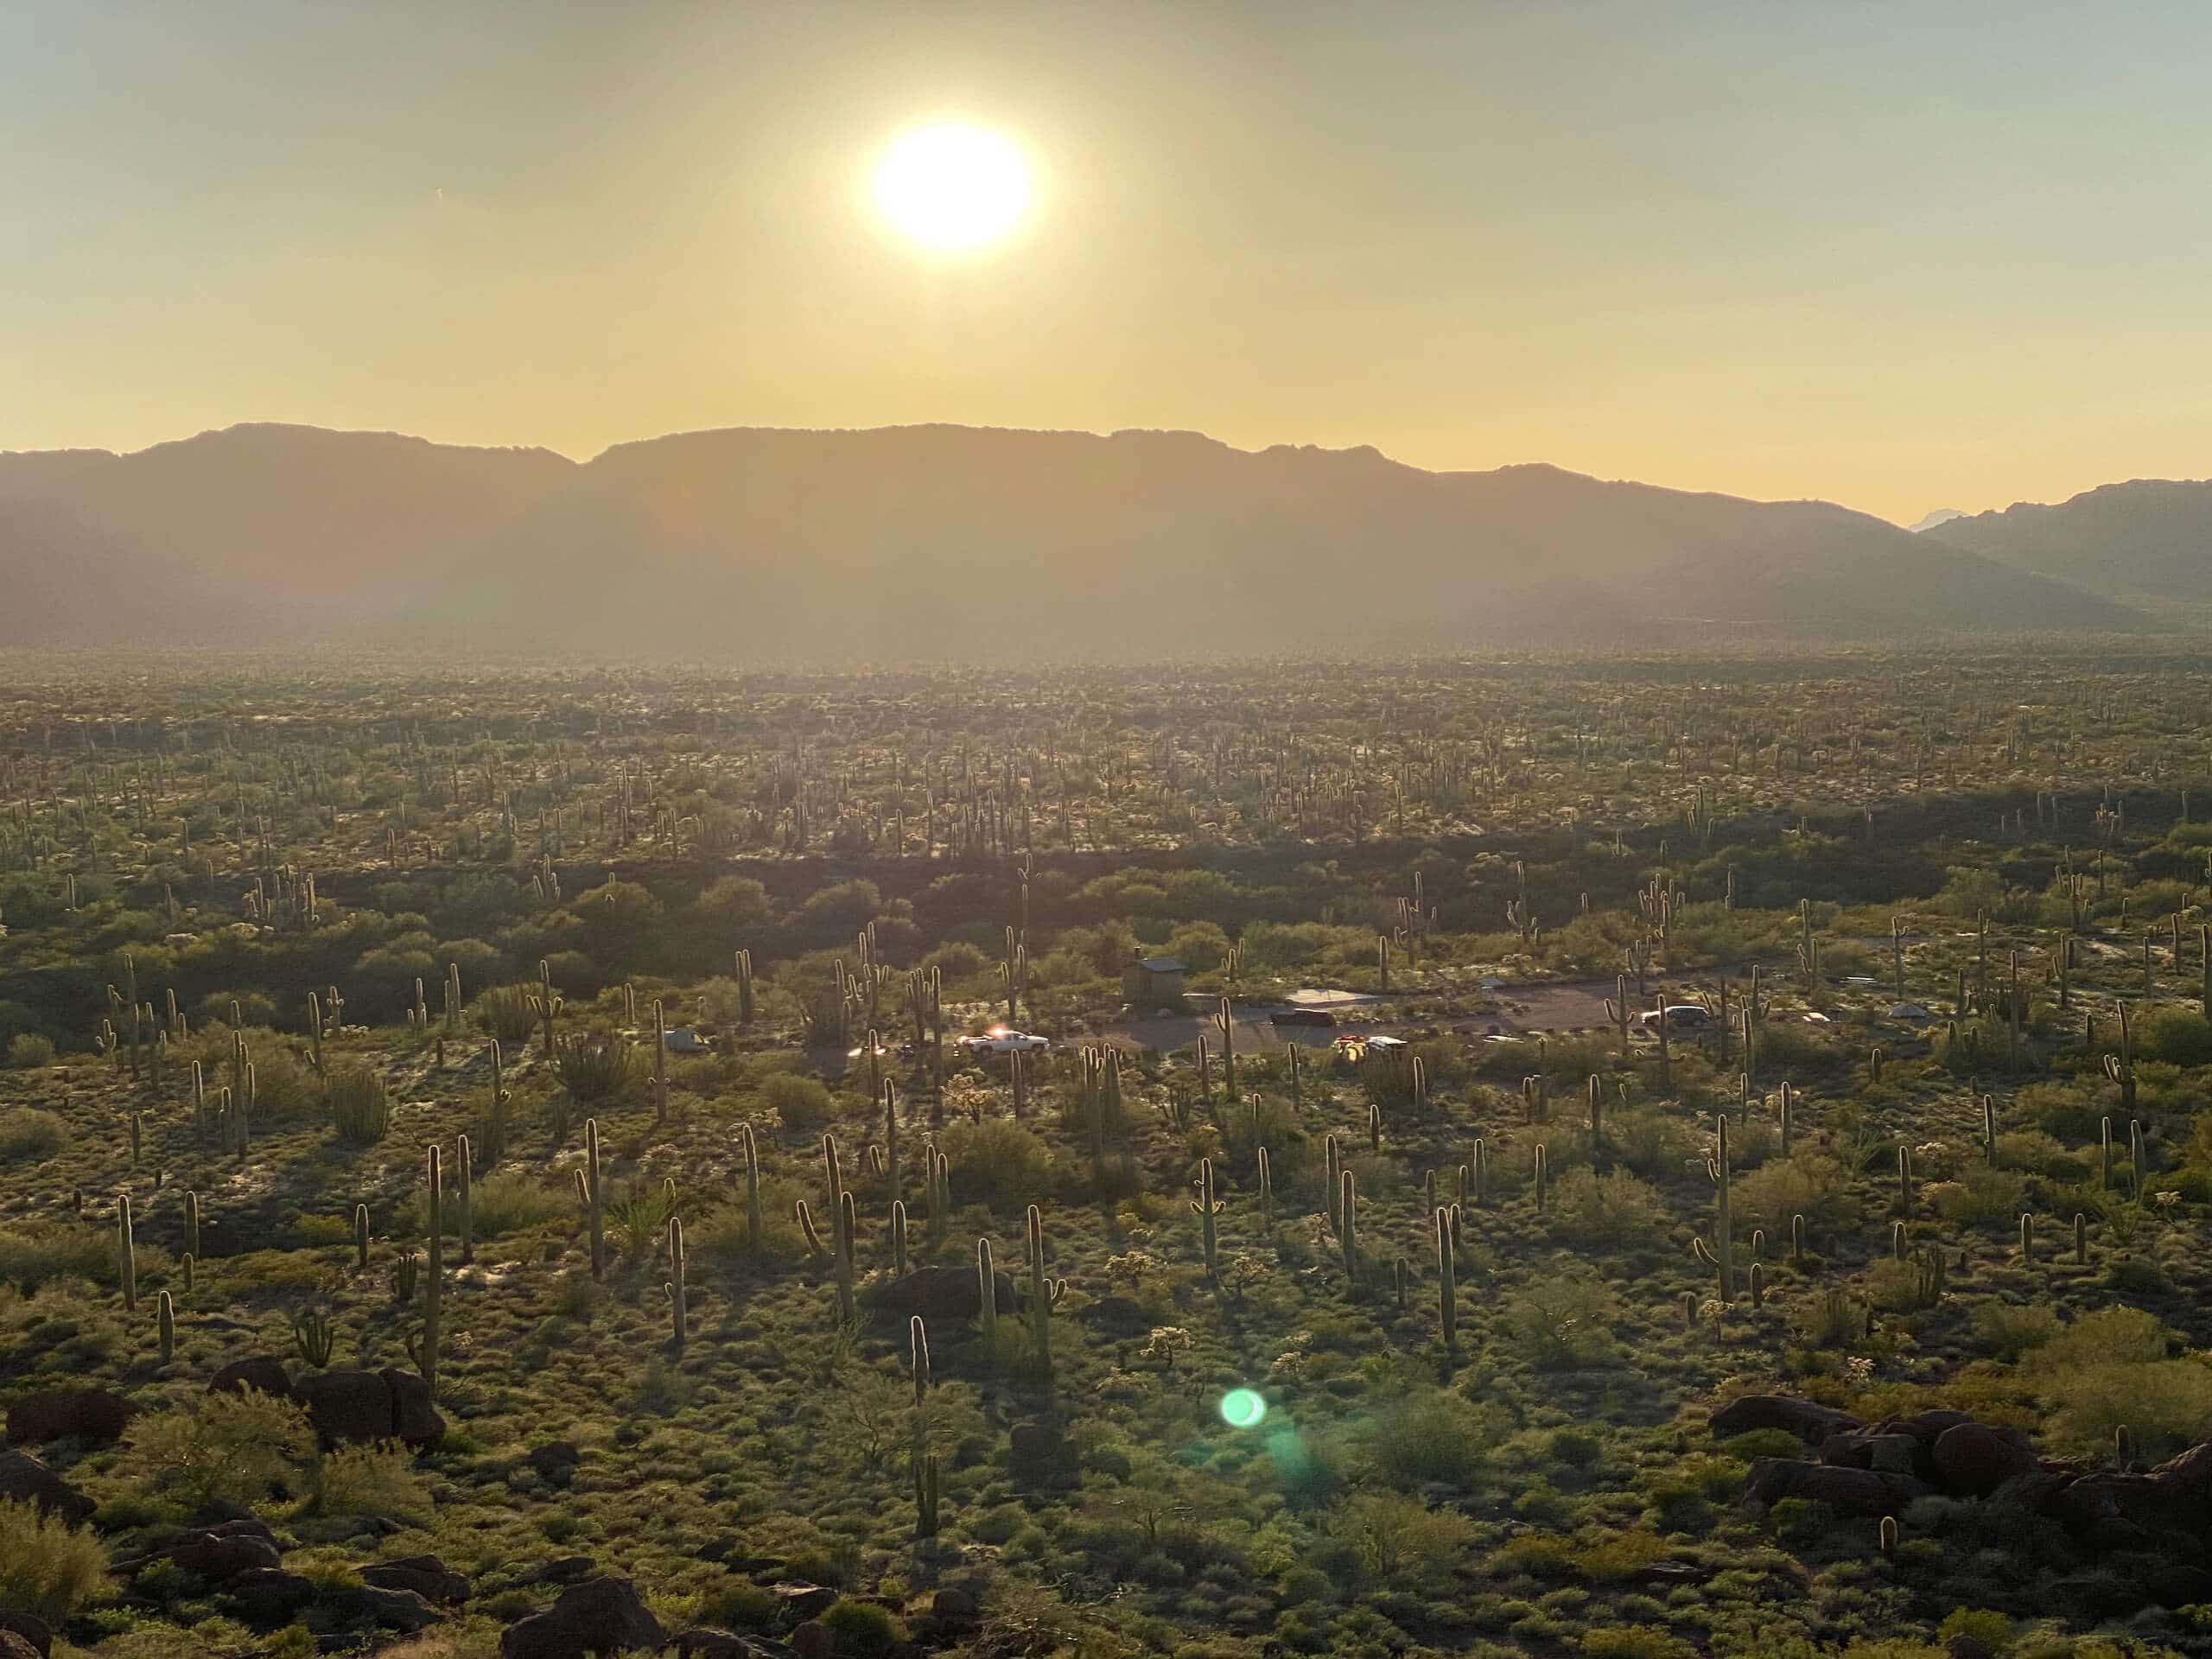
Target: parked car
[
  {"x": 1001, "y": 1041},
  {"x": 1301, "y": 1017},
  {"x": 1681, "y": 1016}
]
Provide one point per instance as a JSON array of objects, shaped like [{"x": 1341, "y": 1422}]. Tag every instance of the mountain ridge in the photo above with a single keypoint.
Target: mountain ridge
[{"x": 945, "y": 541}]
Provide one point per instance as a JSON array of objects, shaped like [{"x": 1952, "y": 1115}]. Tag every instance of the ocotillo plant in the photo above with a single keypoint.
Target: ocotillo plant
[
  {"x": 1206, "y": 1207},
  {"x": 677, "y": 1289}
]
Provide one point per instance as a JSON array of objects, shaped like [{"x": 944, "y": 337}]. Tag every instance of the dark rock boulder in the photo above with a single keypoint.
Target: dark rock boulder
[
  {"x": 426, "y": 1575},
  {"x": 1975, "y": 1459},
  {"x": 68, "y": 1415},
  {"x": 1859, "y": 1491},
  {"x": 354, "y": 1408},
  {"x": 601, "y": 1618},
  {"x": 555, "y": 1462},
  {"x": 1895, "y": 1454},
  {"x": 1809, "y": 1421},
  {"x": 264, "y": 1373},
  {"x": 217, "y": 1558},
  {"x": 812, "y": 1640},
  {"x": 804, "y": 1601},
  {"x": 945, "y": 1294},
  {"x": 396, "y": 1610},
  {"x": 416, "y": 1420},
  {"x": 29, "y": 1629},
  {"x": 1925, "y": 1425},
  {"x": 13, "y": 1646},
  {"x": 26, "y": 1480}
]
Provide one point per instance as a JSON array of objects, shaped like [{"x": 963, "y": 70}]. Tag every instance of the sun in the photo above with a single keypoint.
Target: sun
[{"x": 952, "y": 187}]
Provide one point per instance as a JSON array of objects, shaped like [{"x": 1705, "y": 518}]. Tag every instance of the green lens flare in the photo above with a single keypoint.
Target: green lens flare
[{"x": 1241, "y": 1407}]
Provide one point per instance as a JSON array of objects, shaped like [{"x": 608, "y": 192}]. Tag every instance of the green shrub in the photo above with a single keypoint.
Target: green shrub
[
  {"x": 29, "y": 1135},
  {"x": 48, "y": 1568},
  {"x": 862, "y": 1630},
  {"x": 798, "y": 1102},
  {"x": 1809, "y": 1183},
  {"x": 1400, "y": 1540},
  {"x": 35, "y": 1252},
  {"x": 1609, "y": 1210},
  {"x": 359, "y": 1108},
  {"x": 1432, "y": 1434},
  {"x": 2177, "y": 1037},
  {"x": 232, "y": 1448},
  {"x": 1562, "y": 1319},
  {"x": 1982, "y": 1630},
  {"x": 997, "y": 1162},
  {"x": 1635, "y": 1642},
  {"x": 507, "y": 1013},
  {"x": 1982, "y": 1197},
  {"x": 596, "y": 1069},
  {"x": 372, "y": 1480},
  {"x": 27, "y": 1051},
  {"x": 2008, "y": 1332}
]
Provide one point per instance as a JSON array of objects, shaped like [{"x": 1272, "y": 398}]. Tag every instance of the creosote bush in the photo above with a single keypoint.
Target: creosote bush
[
  {"x": 230, "y": 1449},
  {"x": 48, "y": 1568},
  {"x": 28, "y": 1135}
]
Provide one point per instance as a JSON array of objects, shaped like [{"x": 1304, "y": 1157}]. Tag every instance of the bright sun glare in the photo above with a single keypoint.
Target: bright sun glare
[{"x": 952, "y": 187}]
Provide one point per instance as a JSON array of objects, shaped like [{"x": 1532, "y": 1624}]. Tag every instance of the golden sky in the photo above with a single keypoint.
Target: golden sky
[{"x": 1898, "y": 256}]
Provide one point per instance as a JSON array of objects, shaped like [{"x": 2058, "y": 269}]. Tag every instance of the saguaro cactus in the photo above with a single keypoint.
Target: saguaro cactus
[
  {"x": 464, "y": 1197},
  {"x": 1206, "y": 1207},
  {"x": 1720, "y": 1257},
  {"x": 126, "y": 1254},
  {"x": 592, "y": 1190},
  {"x": 1044, "y": 1295},
  {"x": 987, "y": 1290},
  {"x": 1348, "y": 1229},
  {"x": 434, "y": 1289},
  {"x": 676, "y": 1288},
  {"x": 1447, "y": 1284},
  {"x": 165, "y": 1327},
  {"x": 361, "y": 1236}
]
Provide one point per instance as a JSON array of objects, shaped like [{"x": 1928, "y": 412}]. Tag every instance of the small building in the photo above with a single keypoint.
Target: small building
[{"x": 1154, "y": 982}]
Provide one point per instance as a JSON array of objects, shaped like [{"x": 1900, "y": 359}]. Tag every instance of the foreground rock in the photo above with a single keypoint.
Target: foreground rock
[
  {"x": 33, "y": 1632},
  {"x": 26, "y": 1480},
  {"x": 69, "y": 1415},
  {"x": 601, "y": 1618}
]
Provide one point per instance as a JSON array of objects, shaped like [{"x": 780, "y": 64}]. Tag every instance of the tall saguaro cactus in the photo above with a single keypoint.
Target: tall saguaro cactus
[
  {"x": 434, "y": 1290},
  {"x": 1720, "y": 1257}
]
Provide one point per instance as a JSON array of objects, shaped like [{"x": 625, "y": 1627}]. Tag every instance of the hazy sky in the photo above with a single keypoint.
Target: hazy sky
[{"x": 1903, "y": 256}]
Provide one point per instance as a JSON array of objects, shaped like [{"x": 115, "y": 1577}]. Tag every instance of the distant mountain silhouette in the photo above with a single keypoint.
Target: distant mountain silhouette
[
  {"x": 1940, "y": 516},
  {"x": 942, "y": 542},
  {"x": 2151, "y": 538}
]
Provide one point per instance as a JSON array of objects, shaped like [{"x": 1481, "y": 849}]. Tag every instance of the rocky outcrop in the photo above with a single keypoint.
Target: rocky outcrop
[
  {"x": 1808, "y": 1420},
  {"x": 600, "y": 1617},
  {"x": 1857, "y": 1491},
  {"x": 68, "y": 1415}
]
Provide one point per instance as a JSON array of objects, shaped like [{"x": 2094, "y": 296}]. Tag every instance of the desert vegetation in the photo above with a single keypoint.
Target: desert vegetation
[{"x": 488, "y": 1163}]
